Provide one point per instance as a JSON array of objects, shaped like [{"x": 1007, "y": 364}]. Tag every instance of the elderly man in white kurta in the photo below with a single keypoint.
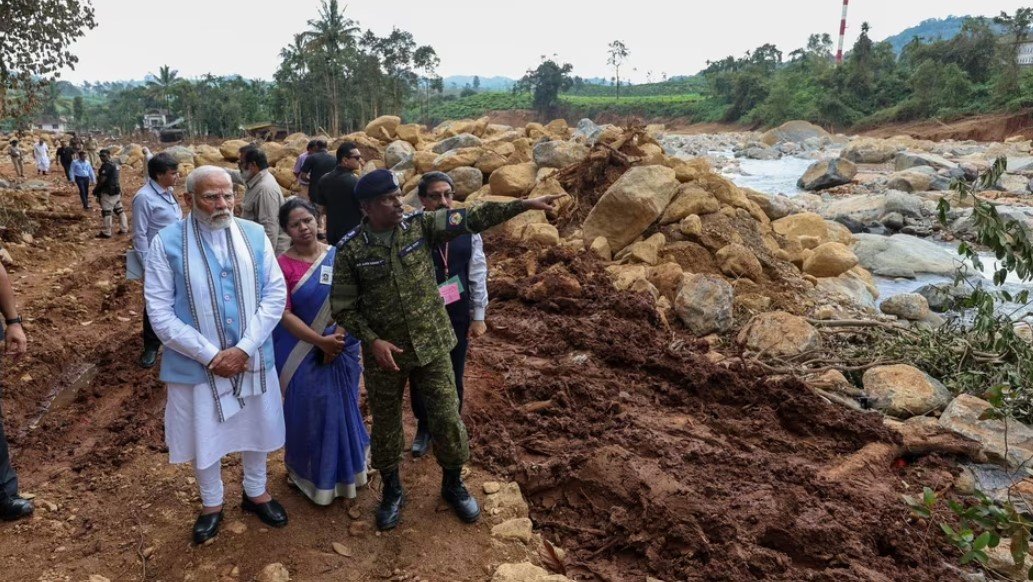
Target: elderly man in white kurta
[{"x": 214, "y": 294}]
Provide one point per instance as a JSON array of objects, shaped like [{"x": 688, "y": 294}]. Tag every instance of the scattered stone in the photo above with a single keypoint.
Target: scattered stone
[
  {"x": 342, "y": 549},
  {"x": 827, "y": 174},
  {"x": 904, "y": 391},
  {"x": 491, "y": 487},
  {"x": 518, "y": 529},
  {"x": 383, "y": 127},
  {"x": 964, "y": 416},
  {"x": 778, "y": 333},
  {"x": 689, "y": 199},
  {"x": 601, "y": 248},
  {"x": 910, "y": 306},
  {"x": 237, "y": 527},
  {"x": 691, "y": 226},
  {"x": 467, "y": 181},
  {"x": 507, "y": 503},
  {"x": 629, "y": 206},
  {"x": 736, "y": 260},
  {"x": 98, "y": 578},
  {"x": 903, "y": 255},
  {"x": 704, "y": 304},
  {"x": 559, "y": 154},
  {"x": 275, "y": 572},
  {"x": 831, "y": 259},
  {"x": 796, "y": 132},
  {"x": 398, "y": 152},
  {"x": 515, "y": 180},
  {"x": 869, "y": 151},
  {"x": 463, "y": 140},
  {"x": 905, "y": 160}
]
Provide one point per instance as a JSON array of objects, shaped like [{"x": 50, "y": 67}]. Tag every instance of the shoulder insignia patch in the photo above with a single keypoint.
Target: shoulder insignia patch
[
  {"x": 349, "y": 236},
  {"x": 455, "y": 219}
]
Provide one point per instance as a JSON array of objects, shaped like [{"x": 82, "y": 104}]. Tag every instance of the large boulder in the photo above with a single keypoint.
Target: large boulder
[
  {"x": 230, "y": 149},
  {"x": 383, "y": 127},
  {"x": 274, "y": 152},
  {"x": 775, "y": 206},
  {"x": 463, "y": 140},
  {"x": 559, "y": 154},
  {"x": 778, "y": 333},
  {"x": 811, "y": 230},
  {"x": 869, "y": 151},
  {"x": 736, "y": 260},
  {"x": 796, "y": 132},
  {"x": 398, "y": 151},
  {"x": 909, "y": 306},
  {"x": 831, "y": 259},
  {"x": 629, "y": 206},
  {"x": 515, "y": 180},
  {"x": 827, "y": 174},
  {"x": 906, "y": 160},
  {"x": 704, "y": 304},
  {"x": 409, "y": 132},
  {"x": 208, "y": 155},
  {"x": 903, "y": 255},
  {"x": 690, "y": 199},
  {"x": 457, "y": 158},
  {"x": 848, "y": 291},
  {"x": 467, "y": 181},
  {"x": 904, "y": 391},
  {"x": 966, "y": 416},
  {"x": 525, "y": 572},
  {"x": 910, "y": 181},
  {"x": 181, "y": 154}
]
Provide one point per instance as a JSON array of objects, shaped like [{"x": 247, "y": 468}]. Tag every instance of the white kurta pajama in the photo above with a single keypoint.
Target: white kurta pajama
[{"x": 193, "y": 431}]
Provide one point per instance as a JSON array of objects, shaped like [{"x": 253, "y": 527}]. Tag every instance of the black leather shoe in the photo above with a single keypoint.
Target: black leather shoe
[
  {"x": 271, "y": 512},
  {"x": 421, "y": 442},
  {"x": 392, "y": 501},
  {"x": 454, "y": 492},
  {"x": 149, "y": 357},
  {"x": 12, "y": 508},
  {"x": 207, "y": 527}
]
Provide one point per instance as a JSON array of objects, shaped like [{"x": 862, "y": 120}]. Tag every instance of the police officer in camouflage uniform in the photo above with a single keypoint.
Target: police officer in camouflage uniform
[{"x": 386, "y": 294}]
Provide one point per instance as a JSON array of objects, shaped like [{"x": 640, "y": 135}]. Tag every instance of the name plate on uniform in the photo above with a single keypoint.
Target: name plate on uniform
[{"x": 451, "y": 290}]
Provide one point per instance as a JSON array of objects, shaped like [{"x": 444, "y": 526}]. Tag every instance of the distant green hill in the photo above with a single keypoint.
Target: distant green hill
[{"x": 930, "y": 30}]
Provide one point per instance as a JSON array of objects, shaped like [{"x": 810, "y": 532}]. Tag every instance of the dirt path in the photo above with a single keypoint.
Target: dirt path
[{"x": 86, "y": 431}]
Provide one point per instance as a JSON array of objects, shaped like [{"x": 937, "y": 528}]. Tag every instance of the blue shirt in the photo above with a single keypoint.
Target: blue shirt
[
  {"x": 82, "y": 169},
  {"x": 154, "y": 208}
]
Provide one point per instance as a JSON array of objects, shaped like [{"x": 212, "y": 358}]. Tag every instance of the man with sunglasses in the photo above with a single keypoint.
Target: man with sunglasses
[
  {"x": 334, "y": 195},
  {"x": 462, "y": 259}
]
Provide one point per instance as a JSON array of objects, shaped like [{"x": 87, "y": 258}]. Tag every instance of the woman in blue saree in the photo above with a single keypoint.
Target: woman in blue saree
[{"x": 319, "y": 368}]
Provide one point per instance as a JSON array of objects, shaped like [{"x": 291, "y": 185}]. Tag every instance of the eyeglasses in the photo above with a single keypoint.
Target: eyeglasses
[
  {"x": 212, "y": 198},
  {"x": 440, "y": 196},
  {"x": 358, "y": 157}
]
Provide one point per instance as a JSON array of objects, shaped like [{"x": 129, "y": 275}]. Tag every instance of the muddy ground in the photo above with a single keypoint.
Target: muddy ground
[{"x": 637, "y": 455}]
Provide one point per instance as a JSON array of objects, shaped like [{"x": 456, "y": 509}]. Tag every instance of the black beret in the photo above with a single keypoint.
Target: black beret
[{"x": 376, "y": 183}]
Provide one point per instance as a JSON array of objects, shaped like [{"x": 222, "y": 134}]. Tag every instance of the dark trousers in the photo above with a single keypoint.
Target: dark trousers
[
  {"x": 83, "y": 183},
  {"x": 8, "y": 479},
  {"x": 66, "y": 167},
  {"x": 458, "y": 356},
  {"x": 150, "y": 339}
]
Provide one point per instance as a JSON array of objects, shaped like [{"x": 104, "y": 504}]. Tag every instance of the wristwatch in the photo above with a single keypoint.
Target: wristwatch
[{"x": 13, "y": 321}]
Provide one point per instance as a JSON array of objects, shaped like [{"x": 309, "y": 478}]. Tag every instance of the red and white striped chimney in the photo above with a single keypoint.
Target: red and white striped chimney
[{"x": 842, "y": 34}]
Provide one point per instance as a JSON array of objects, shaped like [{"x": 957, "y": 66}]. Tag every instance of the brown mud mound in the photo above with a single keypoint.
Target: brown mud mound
[
  {"x": 642, "y": 458},
  {"x": 992, "y": 127}
]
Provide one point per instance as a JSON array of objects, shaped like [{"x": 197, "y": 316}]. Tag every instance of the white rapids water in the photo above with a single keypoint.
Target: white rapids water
[{"x": 780, "y": 176}]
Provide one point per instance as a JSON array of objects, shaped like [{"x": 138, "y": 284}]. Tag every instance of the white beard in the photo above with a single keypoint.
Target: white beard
[{"x": 219, "y": 222}]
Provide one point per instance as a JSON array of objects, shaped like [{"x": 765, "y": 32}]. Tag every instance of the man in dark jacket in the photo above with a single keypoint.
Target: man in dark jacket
[{"x": 109, "y": 194}]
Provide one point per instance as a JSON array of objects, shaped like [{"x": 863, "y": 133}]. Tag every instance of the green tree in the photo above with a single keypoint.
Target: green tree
[
  {"x": 476, "y": 83},
  {"x": 36, "y": 37},
  {"x": 78, "y": 111},
  {"x": 545, "y": 83},
  {"x": 617, "y": 54},
  {"x": 1018, "y": 27},
  {"x": 162, "y": 84}
]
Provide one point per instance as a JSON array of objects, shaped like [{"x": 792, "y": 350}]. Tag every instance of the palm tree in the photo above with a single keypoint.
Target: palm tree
[
  {"x": 163, "y": 83},
  {"x": 331, "y": 38}
]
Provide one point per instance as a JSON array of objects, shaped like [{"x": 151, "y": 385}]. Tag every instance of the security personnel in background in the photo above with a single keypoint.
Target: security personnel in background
[
  {"x": 109, "y": 195},
  {"x": 385, "y": 293}
]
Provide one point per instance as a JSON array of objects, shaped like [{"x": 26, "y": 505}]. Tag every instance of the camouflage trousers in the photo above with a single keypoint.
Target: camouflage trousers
[{"x": 436, "y": 383}]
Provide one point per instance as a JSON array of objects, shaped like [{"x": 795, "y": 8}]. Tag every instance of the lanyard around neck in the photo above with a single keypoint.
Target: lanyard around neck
[{"x": 162, "y": 193}]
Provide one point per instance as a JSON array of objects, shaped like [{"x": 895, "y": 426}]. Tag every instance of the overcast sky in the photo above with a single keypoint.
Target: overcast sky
[{"x": 485, "y": 37}]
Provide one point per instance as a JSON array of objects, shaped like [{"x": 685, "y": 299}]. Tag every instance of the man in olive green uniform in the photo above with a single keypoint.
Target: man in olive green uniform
[
  {"x": 91, "y": 151},
  {"x": 385, "y": 293}
]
